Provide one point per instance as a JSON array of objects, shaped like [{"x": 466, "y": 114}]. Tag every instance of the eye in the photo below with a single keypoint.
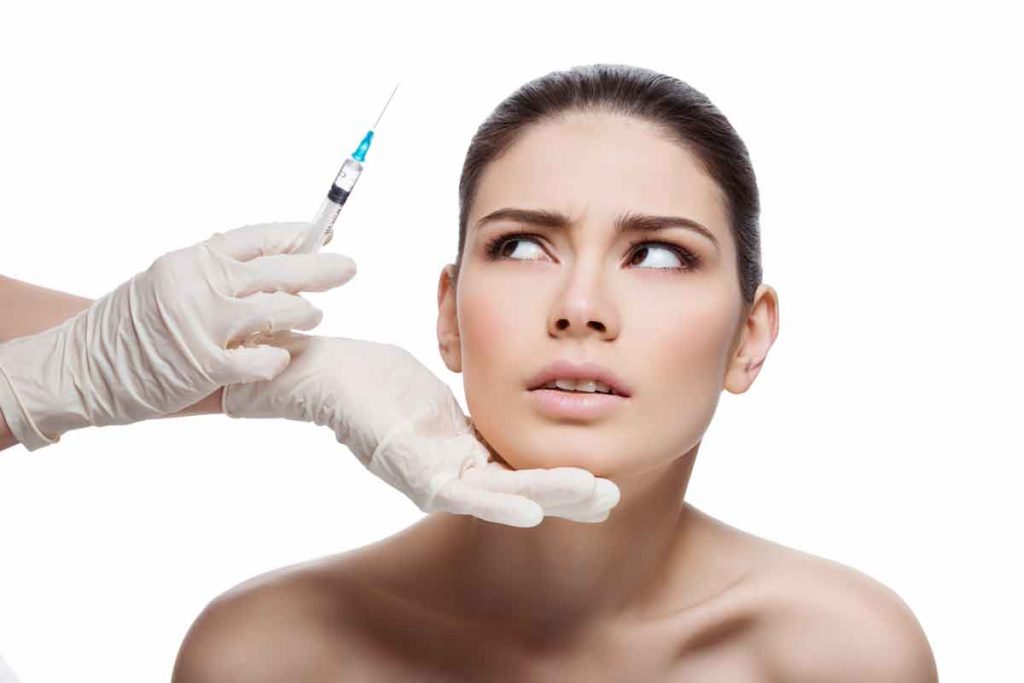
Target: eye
[
  {"x": 683, "y": 255},
  {"x": 496, "y": 249}
]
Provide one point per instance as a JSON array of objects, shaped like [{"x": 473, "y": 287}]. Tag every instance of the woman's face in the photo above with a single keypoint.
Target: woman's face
[{"x": 584, "y": 294}]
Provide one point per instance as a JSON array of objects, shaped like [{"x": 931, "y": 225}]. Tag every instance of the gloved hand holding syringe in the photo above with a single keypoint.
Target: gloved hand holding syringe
[{"x": 218, "y": 314}]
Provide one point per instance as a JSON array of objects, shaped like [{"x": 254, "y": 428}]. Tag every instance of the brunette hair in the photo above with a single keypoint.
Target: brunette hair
[{"x": 684, "y": 113}]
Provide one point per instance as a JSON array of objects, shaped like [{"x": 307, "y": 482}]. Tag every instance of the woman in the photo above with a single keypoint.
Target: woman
[{"x": 608, "y": 215}]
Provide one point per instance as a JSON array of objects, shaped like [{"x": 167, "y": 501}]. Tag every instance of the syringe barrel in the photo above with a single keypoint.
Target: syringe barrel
[
  {"x": 347, "y": 177},
  {"x": 336, "y": 197},
  {"x": 325, "y": 219}
]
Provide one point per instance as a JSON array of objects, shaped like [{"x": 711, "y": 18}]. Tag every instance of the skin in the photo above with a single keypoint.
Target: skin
[{"x": 658, "y": 591}]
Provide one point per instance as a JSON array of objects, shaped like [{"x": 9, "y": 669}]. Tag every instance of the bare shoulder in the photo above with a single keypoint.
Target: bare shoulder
[
  {"x": 276, "y": 626},
  {"x": 826, "y": 621}
]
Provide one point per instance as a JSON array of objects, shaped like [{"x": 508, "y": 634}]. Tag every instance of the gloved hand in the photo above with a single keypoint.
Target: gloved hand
[
  {"x": 160, "y": 342},
  {"x": 405, "y": 425}
]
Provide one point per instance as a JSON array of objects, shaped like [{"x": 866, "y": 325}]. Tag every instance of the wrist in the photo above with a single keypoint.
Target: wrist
[
  {"x": 16, "y": 422},
  {"x": 44, "y": 390}
]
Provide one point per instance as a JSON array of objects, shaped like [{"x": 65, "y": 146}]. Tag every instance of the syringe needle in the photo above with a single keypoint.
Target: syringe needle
[{"x": 374, "y": 126}]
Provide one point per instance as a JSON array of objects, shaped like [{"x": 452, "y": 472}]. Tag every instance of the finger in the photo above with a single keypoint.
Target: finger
[
  {"x": 273, "y": 312},
  {"x": 263, "y": 239},
  {"x": 462, "y": 498},
  {"x": 597, "y": 508},
  {"x": 547, "y": 487},
  {"x": 574, "y": 515},
  {"x": 251, "y": 364},
  {"x": 294, "y": 273}
]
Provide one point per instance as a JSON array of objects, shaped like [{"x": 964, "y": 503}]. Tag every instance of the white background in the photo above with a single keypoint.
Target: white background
[{"x": 887, "y": 143}]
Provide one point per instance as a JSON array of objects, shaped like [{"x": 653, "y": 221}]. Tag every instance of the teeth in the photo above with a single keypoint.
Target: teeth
[{"x": 582, "y": 385}]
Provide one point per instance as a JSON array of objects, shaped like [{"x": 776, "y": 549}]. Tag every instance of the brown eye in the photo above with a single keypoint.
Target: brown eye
[
  {"x": 497, "y": 247},
  {"x": 647, "y": 247}
]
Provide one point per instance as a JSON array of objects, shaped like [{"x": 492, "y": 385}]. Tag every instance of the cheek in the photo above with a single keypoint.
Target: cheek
[
  {"x": 685, "y": 371},
  {"x": 688, "y": 347},
  {"x": 495, "y": 360},
  {"x": 481, "y": 316},
  {"x": 488, "y": 322}
]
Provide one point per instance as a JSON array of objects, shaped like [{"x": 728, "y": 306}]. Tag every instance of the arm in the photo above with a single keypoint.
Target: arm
[{"x": 28, "y": 309}]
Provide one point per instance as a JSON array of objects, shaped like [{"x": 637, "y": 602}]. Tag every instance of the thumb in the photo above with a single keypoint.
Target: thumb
[{"x": 246, "y": 364}]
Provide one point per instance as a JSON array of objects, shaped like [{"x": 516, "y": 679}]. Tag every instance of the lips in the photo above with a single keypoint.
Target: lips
[
  {"x": 564, "y": 369},
  {"x": 575, "y": 406}
]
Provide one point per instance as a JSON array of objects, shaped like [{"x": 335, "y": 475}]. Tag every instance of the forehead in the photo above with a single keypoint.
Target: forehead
[{"x": 599, "y": 165}]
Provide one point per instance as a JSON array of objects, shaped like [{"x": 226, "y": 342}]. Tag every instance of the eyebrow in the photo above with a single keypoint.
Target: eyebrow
[{"x": 627, "y": 222}]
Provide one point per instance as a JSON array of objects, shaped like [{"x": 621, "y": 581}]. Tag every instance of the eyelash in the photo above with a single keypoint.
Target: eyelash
[{"x": 690, "y": 260}]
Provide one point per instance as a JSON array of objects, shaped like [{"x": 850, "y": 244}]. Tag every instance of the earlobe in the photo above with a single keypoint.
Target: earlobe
[{"x": 737, "y": 376}]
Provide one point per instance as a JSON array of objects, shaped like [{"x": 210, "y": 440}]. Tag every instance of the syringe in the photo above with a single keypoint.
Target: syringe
[
  {"x": 345, "y": 181},
  {"x": 341, "y": 188}
]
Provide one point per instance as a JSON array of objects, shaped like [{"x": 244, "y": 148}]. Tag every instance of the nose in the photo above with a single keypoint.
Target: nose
[{"x": 583, "y": 310}]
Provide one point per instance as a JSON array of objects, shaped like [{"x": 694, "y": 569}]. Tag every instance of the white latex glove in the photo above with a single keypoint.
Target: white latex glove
[
  {"x": 159, "y": 342},
  {"x": 405, "y": 425}
]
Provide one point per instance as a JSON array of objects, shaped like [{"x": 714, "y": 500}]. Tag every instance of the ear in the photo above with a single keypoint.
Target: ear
[
  {"x": 757, "y": 335},
  {"x": 448, "y": 342}
]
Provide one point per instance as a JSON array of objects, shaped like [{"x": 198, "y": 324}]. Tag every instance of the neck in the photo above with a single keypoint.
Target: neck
[{"x": 564, "y": 572}]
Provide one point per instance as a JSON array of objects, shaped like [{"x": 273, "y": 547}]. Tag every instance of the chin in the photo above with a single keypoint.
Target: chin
[
  {"x": 524, "y": 445},
  {"x": 598, "y": 463}
]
